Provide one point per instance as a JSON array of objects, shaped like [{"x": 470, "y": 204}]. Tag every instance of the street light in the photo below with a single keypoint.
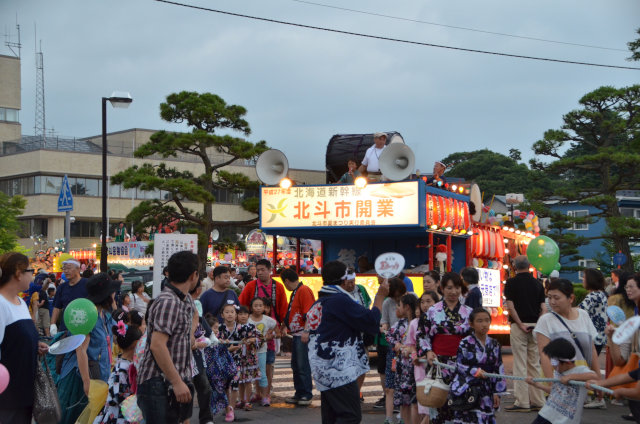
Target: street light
[{"x": 120, "y": 100}]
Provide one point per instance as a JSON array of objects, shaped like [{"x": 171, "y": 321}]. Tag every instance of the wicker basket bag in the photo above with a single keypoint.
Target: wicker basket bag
[{"x": 432, "y": 391}]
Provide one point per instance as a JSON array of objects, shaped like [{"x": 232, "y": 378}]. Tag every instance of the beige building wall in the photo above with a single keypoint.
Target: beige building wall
[
  {"x": 89, "y": 208},
  {"x": 10, "y": 82},
  {"x": 10, "y": 96}
]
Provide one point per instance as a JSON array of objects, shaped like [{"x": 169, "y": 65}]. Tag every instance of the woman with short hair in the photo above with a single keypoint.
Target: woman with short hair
[
  {"x": 139, "y": 299},
  {"x": 566, "y": 322}
]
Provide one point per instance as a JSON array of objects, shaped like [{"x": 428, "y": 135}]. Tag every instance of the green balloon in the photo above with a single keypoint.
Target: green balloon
[
  {"x": 557, "y": 267},
  {"x": 80, "y": 316},
  {"x": 543, "y": 253}
]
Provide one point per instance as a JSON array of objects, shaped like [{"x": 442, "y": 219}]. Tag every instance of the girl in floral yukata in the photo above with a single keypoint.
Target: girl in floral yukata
[
  {"x": 404, "y": 394},
  {"x": 119, "y": 384},
  {"x": 440, "y": 331},
  {"x": 427, "y": 300},
  {"x": 237, "y": 335},
  {"x": 479, "y": 354}
]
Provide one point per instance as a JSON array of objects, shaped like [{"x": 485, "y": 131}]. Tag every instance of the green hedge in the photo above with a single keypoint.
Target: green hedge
[{"x": 580, "y": 293}]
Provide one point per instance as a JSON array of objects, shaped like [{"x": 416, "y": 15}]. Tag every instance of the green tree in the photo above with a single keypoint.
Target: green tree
[
  {"x": 634, "y": 47},
  {"x": 495, "y": 173},
  {"x": 10, "y": 209},
  {"x": 593, "y": 156},
  {"x": 205, "y": 114}
]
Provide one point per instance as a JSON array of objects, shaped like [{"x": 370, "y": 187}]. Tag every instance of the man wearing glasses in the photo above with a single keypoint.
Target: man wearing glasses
[{"x": 74, "y": 288}]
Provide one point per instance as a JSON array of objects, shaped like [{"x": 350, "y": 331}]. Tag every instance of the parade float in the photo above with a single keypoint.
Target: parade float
[{"x": 441, "y": 226}]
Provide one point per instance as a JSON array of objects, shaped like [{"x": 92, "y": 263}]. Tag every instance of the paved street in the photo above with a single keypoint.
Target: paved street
[{"x": 283, "y": 388}]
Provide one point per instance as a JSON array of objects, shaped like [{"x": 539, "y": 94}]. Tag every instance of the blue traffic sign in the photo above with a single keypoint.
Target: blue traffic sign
[
  {"x": 619, "y": 259},
  {"x": 65, "y": 199}
]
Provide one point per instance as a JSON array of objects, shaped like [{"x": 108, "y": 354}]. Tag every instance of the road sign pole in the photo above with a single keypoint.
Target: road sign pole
[{"x": 67, "y": 230}]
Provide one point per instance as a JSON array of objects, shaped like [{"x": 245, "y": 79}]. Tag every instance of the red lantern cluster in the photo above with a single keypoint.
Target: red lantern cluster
[
  {"x": 447, "y": 214},
  {"x": 487, "y": 244}
]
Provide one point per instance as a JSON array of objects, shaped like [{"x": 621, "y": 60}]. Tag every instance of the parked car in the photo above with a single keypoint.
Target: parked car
[{"x": 130, "y": 277}]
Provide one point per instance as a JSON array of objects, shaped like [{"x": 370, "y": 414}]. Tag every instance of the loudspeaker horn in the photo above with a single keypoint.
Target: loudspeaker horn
[
  {"x": 397, "y": 161},
  {"x": 272, "y": 166},
  {"x": 476, "y": 199}
]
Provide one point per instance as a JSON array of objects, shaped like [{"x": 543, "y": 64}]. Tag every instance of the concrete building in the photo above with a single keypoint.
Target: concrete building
[
  {"x": 34, "y": 167},
  {"x": 10, "y": 104}
]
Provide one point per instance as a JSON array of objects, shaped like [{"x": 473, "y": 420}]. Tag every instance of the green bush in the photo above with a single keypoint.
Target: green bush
[{"x": 580, "y": 293}]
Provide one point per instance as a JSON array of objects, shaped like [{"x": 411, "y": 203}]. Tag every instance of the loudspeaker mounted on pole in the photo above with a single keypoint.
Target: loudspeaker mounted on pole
[
  {"x": 476, "y": 199},
  {"x": 397, "y": 161},
  {"x": 272, "y": 166}
]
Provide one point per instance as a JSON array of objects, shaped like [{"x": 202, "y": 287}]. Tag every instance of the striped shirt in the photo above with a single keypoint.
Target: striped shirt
[{"x": 171, "y": 315}]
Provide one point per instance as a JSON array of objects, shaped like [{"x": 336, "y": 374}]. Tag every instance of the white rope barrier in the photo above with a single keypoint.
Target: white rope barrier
[{"x": 537, "y": 380}]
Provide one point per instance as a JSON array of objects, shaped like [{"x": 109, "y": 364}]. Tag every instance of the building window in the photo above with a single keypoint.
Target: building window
[
  {"x": 33, "y": 227},
  {"x": 630, "y": 212},
  {"x": 50, "y": 184},
  {"x": 579, "y": 214},
  {"x": 9, "y": 115},
  {"x": 85, "y": 229},
  {"x": 586, "y": 263}
]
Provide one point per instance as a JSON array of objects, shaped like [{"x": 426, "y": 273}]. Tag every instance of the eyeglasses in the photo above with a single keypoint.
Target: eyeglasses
[{"x": 29, "y": 271}]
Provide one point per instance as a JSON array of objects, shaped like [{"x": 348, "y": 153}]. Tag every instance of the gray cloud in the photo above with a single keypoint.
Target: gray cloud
[{"x": 302, "y": 86}]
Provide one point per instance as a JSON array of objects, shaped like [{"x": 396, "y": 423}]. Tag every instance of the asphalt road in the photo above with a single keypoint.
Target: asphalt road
[{"x": 280, "y": 412}]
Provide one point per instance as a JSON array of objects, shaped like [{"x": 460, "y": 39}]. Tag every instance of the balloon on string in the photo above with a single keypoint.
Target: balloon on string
[
  {"x": 543, "y": 253},
  {"x": 557, "y": 267},
  {"x": 4, "y": 378},
  {"x": 80, "y": 316}
]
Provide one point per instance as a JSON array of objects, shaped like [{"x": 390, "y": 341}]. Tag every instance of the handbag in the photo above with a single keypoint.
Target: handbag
[
  {"x": 46, "y": 405},
  {"x": 130, "y": 409},
  {"x": 632, "y": 364},
  {"x": 470, "y": 399},
  {"x": 432, "y": 390}
]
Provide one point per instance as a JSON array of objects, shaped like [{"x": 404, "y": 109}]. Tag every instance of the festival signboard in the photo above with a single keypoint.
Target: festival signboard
[{"x": 375, "y": 205}]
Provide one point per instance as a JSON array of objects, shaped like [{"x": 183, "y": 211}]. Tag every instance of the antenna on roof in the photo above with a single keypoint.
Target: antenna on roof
[
  {"x": 40, "y": 128},
  {"x": 13, "y": 44}
]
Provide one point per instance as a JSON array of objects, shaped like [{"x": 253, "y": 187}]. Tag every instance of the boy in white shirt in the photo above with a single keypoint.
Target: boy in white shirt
[{"x": 565, "y": 401}]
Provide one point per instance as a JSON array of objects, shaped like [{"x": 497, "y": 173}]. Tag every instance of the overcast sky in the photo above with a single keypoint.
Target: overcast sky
[{"x": 301, "y": 86}]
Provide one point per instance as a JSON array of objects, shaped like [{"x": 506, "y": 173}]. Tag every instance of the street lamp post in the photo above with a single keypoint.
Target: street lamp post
[{"x": 119, "y": 100}]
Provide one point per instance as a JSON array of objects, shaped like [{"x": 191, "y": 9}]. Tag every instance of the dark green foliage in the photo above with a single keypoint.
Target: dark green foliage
[
  {"x": 634, "y": 47},
  {"x": 205, "y": 114},
  {"x": 495, "y": 173},
  {"x": 10, "y": 209},
  {"x": 594, "y": 155}
]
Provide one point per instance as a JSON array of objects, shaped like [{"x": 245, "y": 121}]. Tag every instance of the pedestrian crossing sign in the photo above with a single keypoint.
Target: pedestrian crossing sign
[{"x": 65, "y": 199}]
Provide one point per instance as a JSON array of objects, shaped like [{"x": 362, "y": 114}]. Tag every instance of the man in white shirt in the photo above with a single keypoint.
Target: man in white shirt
[
  {"x": 370, "y": 164},
  {"x": 207, "y": 282}
]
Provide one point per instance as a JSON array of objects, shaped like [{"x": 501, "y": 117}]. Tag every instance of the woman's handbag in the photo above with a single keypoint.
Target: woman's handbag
[
  {"x": 432, "y": 391},
  {"x": 46, "y": 405},
  {"x": 632, "y": 364},
  {"x": 470, "y": 399}
]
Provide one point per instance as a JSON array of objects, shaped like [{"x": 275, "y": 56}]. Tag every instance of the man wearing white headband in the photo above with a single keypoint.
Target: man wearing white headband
[
  {"x": 437, "y": 180},
  {"x": 74, "y": 288}
]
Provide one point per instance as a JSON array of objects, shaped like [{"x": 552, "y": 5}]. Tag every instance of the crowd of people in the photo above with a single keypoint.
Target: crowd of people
[{"x": 199, "y": 339}]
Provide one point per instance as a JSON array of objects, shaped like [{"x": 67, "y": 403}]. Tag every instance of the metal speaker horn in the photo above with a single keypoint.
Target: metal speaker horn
[
  {"x": 272, "y": 166},
  {"x": 397, "y": 161},
  {"x": 476, "y": 199}
]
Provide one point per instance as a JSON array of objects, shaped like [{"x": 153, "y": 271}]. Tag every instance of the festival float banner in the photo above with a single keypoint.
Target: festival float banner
[{"x": 389, "y": 204}]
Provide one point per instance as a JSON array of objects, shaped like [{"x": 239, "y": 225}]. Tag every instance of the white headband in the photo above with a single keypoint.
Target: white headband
[{"x": 348, "y": 276}]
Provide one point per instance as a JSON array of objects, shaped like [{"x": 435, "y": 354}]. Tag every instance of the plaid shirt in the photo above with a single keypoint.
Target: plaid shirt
[{"x": 171, "y": 316}]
